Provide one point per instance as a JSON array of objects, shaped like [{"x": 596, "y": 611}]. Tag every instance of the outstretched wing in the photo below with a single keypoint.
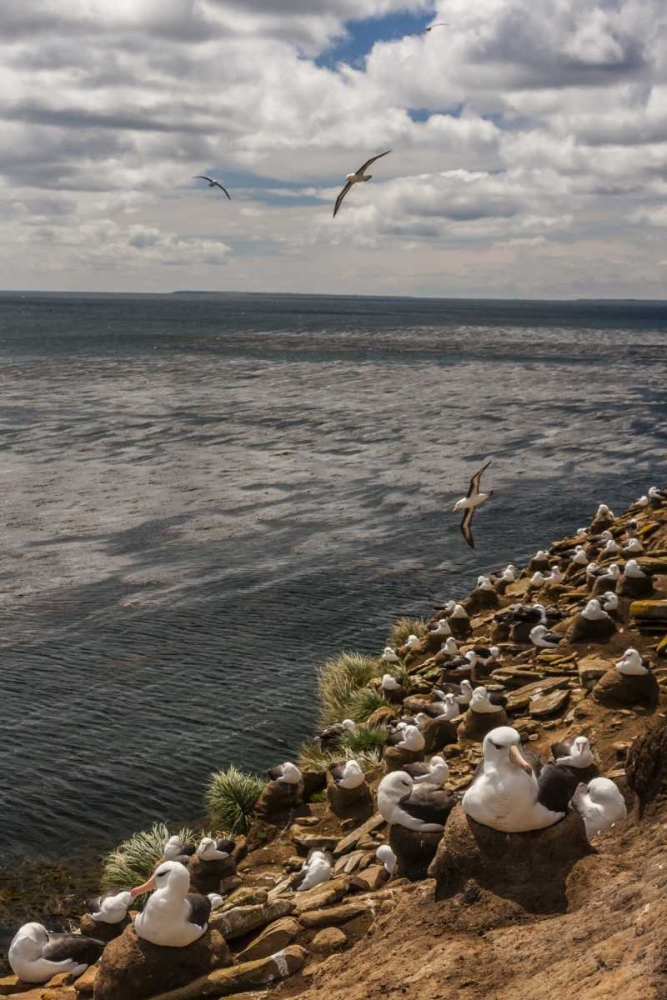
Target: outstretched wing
[
  {"x": 473, "y": 489},
  {"x": 219, "y": 185},
  {"x": 201, "y": 177},
  {"x": 466, "y": 526},
  {"x": 339, "y": 199},
  {"x": 367, "y": 164}
]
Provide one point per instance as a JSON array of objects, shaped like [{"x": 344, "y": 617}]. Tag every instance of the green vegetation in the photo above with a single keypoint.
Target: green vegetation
[
  {"x": 231, "y": 797},
  {"x": 403, "y": 628},
  {"x": 364, "y": 702},
  {"x": 135, "y": 860},
  {"x": 339, "y": 681}
]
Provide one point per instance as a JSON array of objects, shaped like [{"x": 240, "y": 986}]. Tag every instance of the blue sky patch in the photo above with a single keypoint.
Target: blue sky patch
[{"x": 362, "y": 36}]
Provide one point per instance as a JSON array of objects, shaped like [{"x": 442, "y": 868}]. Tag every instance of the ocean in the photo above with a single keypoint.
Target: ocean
[{"x": 205, "y": 496}]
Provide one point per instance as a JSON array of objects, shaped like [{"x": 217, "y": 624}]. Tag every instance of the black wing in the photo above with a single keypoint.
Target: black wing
[
  {"x": 336, "y": 771},
  {"x": 339, "y": 199},
  {"x": 475, "y": 481},
  {"x": 219, "y": 185},
  {"x": 275, "y": 772},
  {"x": 200, "y": 909},
  {"x": 201, "y": 177},
  {"x": 416, "y": 770},
  {"x": 562, "y": 749},
  {"x": 430, "y": 805},
  {"x": 73, "y": 948},
  {"x": 466, "y": 526},
  {"x": 372, "y": 160},
  {"x": 225, "y": 844},
  {"x": 556, "y": 786}
]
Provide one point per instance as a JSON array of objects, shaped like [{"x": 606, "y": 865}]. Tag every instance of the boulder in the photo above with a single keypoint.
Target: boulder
[
  {"x": 591, "y": 669},
  {"x": 276, "y": 799},
  {"x": 250, "y": 975},
  {"x": 242, "y": 920},
  {"x": 272, "y": 939},
  {"x": 476, "y": 725},
  {"x": 351, "y": 803},
  {"x": 529, "y": 868},
  {"x": 519, "y": 700},
  {"x": 328, "y": 940},
  {"x": 617, "y": 690},
  {"x": 414, "y": 851},
  {"x": 135, "y": 969},
  {"x": 548, "y": 704},
  {"x": 590, "y": 630},
  {"x": 653, "y": 611},
  {"x": 245, "y": 896},
  {"x": 370, "y": 879},
  {"x": 438, "y": 734},
  {"x": 100, "y": 931},
  {"x": 351, "y": 841},
  {"x": 206, "y": 876},
  {"x": 334, "y": 915},
  {"x": 395, "y": 758},
  {"x": 306, "y": 841}
]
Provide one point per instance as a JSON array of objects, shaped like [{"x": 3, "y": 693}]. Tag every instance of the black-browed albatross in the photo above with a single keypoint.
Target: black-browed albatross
[{"x": 356, "y": 178}]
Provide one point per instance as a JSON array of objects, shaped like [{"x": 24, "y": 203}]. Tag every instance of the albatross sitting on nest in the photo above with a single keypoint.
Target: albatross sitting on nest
[
  {"x": 36, "y": 955},
  {"x": 424, "y": 807},
  {"x": 173, "y": 917},
  {"x": 506, "y": 794}
]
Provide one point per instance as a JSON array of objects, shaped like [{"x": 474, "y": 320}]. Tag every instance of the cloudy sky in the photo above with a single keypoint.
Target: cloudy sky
[{"x": 528, "y": 137}]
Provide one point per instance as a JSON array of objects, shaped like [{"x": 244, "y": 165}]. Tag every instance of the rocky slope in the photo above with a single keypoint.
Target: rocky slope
[{"x": 602, "y": 933}]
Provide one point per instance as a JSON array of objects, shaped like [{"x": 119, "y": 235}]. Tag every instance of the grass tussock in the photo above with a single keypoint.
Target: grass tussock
[
  {"x": 339, "y": 681},
  {"x": 364, "y": 703},
  {"x": 364, "y": 744},
  {"x": 135, "y": 860},
  {"x": 405, "y": 627},
  {"x": 231, "y": 797}
]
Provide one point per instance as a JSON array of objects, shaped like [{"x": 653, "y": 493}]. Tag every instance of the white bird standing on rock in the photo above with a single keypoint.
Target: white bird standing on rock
[
  {"x": 579, "y": 558},
  {"x": 357, "y": 177},
  {"x": 600, "y": 804},
  {"x": 441, "y": 628},
  {"x": 509, "y": 573},
  {"x": 416, "y": 807},
  {"x": 318, "y": 867},
  {"x": 286, "y": 774},
  {"x": 580, "y": 754},
  {"x": 450, "y": 647},
  {"x": 412, "y": 641}
]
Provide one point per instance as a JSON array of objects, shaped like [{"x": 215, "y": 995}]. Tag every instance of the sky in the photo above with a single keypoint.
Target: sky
[{"x": 528, "y": 139}]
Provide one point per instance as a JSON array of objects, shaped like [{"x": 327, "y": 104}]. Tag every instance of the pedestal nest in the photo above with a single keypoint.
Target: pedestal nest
[
  {"x": 206, "y": 876},
  {"x": 395, "y": 758},
  {"x": 101, "y": 931},
  {"x": 351, "y": 803},
  {"x": 529, "y": 868},
  {"x": 414, "y": 851},
  {"x": 617, "y": 690},
  {"x": 135, "y": 969}
]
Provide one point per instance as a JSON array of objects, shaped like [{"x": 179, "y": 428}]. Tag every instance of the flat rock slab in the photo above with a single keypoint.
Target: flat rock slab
[
  {"x": 306, "y": 841},
  {"x": 350, "y": 842},
  {"x": 520, "y": 700},
  {"x": 243, "y": 919},
  {"x": 322, "y": 895},
  {"x": 548, "y": 704},
  {"x": 272, "y": 939},
  {"x": 649, "y": 610},
  {"x": 516, "y": 676},
  {"x": 225, "y": 982},
  {"x": 334, "y": 916},
  {"x": 591, "y": 669},
  {"x": 370, "y": 879}
]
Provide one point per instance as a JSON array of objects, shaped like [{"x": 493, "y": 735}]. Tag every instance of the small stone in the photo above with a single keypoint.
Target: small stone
[
  {"x": 273, "y": 939},
  {"x": 328, "y": 940}
]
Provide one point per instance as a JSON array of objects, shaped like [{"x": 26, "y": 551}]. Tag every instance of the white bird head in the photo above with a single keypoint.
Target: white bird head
[
  {"x": 593, "y": 611},
  {"x": 509, "y": 573},
  {"x": 170, "y": 876},
  {"x": 536, "y": 580},
  {"x": 394, "y": 786},
  {"x": 581, "y": 746},
  {"x": 603, "y": 790},
  {"x": 459, "y": 612},
  {"x": 502, "y": 746},
  {"x": 412, "y": 739},
  {"x": 450, "y": 647},
  {"x": 466, "y": 689},
  {"x": 602, "y": 511},
  {"x": 610, "y": 600},
  {"x": 633, "y": 569},
  {"x": 390, "y": 654},
  {"x": 439, "y": 766},
  {"x": 631, "y": 663},
  {"x": 412, "y": 640},
  {"x": 349, "y": 724},
  {"x": 541, "y": 556},
  {"x": 390, "y": 683}
]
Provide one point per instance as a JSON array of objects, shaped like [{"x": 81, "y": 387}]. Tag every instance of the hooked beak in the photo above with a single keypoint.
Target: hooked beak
[
  {"x": 141, "y": 889},
  {"x": 517, "y": 758}
]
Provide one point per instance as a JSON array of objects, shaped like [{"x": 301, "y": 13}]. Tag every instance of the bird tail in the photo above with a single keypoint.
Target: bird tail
[{"x": 368, "y": 177}]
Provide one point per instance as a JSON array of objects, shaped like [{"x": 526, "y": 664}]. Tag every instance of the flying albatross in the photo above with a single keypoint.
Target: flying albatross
[
  {"x": 212, "y": 183},
  {"x": 438, "y": 24},
  {"x": 470, "y": 502},
  {"x": 355, "y": 178}
]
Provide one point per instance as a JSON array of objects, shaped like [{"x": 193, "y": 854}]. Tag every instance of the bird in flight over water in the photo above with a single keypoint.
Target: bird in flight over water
[
  {"x": 469, "y": 503},
  {"x": 355, "y": 178},
  {"x": 213, "y": 184}
]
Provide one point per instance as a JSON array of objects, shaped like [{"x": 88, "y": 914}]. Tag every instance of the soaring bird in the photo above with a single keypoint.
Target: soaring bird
[
  {"x": 355, "y": 178},
  {"x": 212, "y": 183},
  {"x": 470, "y": 502},
  {"x": 438, "y": 24}
]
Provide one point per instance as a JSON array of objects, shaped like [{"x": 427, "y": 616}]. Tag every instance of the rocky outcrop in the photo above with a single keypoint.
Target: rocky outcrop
[{"x": 135, "y": 969}]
